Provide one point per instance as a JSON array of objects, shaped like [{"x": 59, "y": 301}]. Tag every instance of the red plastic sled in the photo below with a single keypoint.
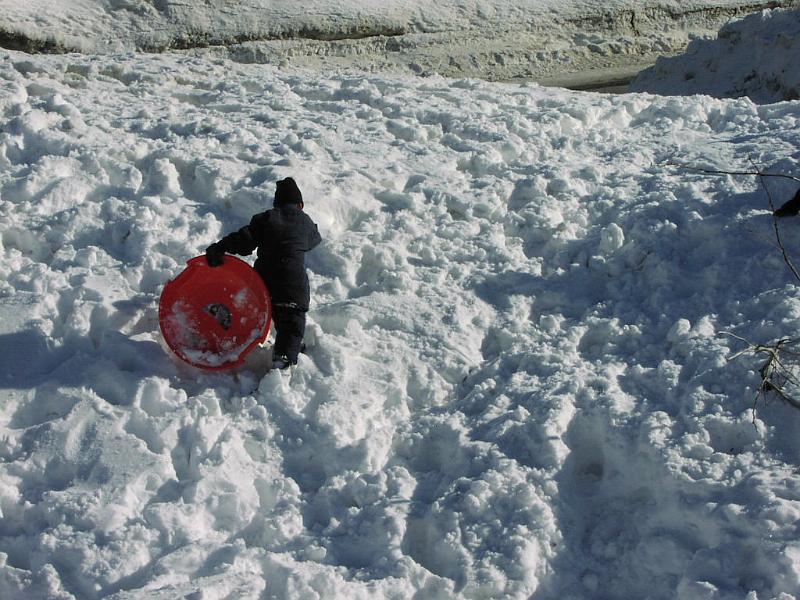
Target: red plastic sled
[{"x": 213, "y": 317}]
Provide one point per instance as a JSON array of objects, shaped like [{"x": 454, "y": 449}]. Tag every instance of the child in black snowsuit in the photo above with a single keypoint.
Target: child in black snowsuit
[{"x": 282, "y": 236}]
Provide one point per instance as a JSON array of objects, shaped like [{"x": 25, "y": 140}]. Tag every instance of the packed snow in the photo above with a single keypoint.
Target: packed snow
[
  {"x": 520, "y": 378},
  {"x": 561, "y": 42},
  {"x": 756, "y": 56}
]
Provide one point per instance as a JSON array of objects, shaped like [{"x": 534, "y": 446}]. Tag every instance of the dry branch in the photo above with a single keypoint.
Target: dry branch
[
  {"x": 761, "y": 177},
  {"x": 721, "y": 172},
  {"x": 775, "y": 225},
  {"x": 778, "y": 371}
]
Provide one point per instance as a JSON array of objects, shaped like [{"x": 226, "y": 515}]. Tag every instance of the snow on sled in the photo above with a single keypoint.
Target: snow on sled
[{"x": 213, "y": 317}]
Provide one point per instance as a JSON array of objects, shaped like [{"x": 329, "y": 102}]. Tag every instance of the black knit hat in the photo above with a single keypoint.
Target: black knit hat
[{"x": 287, "y": 192}]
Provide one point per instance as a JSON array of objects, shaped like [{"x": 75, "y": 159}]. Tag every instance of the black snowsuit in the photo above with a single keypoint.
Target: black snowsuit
[{"x": 282, "y": 236}]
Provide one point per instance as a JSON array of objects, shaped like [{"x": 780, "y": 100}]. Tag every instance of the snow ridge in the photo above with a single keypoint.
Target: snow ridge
[{"x": 490, "y": 39}]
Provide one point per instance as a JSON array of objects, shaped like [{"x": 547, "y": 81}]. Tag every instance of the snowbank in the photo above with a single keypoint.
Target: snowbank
[
  {"x": 516, "y": 385},
  {"x": 757, "y": 56},
  {"x": 492, "y": 39}
]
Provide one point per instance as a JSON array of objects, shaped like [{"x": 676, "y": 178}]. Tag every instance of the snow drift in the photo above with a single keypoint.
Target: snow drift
[
  {"x": 756, "y": 56},
  {"x": 517, "y": 383}
]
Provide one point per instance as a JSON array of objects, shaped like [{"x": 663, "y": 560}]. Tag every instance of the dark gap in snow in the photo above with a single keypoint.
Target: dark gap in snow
[
  {"x": 199, "y": 40},
  {"x": 12, "y": 40}
]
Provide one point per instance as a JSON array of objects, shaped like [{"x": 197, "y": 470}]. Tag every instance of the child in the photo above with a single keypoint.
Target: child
[{"x": 282, "y": 236}]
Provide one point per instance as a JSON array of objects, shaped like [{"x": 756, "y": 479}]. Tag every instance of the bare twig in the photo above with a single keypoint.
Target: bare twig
[
  {"x": 772, "y": 370},
  {"x": 720, "y": 172},
  {"x": 775, "y": 225},
  {"x": 761, "y": 177},
  {"x": 775, "y": 372}
]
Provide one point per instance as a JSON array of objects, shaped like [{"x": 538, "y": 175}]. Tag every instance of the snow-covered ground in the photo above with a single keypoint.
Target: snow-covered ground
[
  {"x": 519, "y": 380},
  {"x": 561, "y": 42},
  {"x": 756, "y": 56}
]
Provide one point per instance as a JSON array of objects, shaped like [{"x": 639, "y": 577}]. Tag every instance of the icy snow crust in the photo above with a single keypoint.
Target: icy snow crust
[
  {"x": 543, "y": 40},
  {"x": 516, "y": 384},
  {"x": 756, "y": 56}
]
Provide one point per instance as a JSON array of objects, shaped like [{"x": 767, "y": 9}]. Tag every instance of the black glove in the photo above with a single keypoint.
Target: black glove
[{"x": 215, "y": 256}]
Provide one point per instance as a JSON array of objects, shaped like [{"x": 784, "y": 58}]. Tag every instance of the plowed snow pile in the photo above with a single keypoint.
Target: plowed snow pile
[
  {"x": 563, "y": 42},
  {"x": 756, "y": 56}
]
